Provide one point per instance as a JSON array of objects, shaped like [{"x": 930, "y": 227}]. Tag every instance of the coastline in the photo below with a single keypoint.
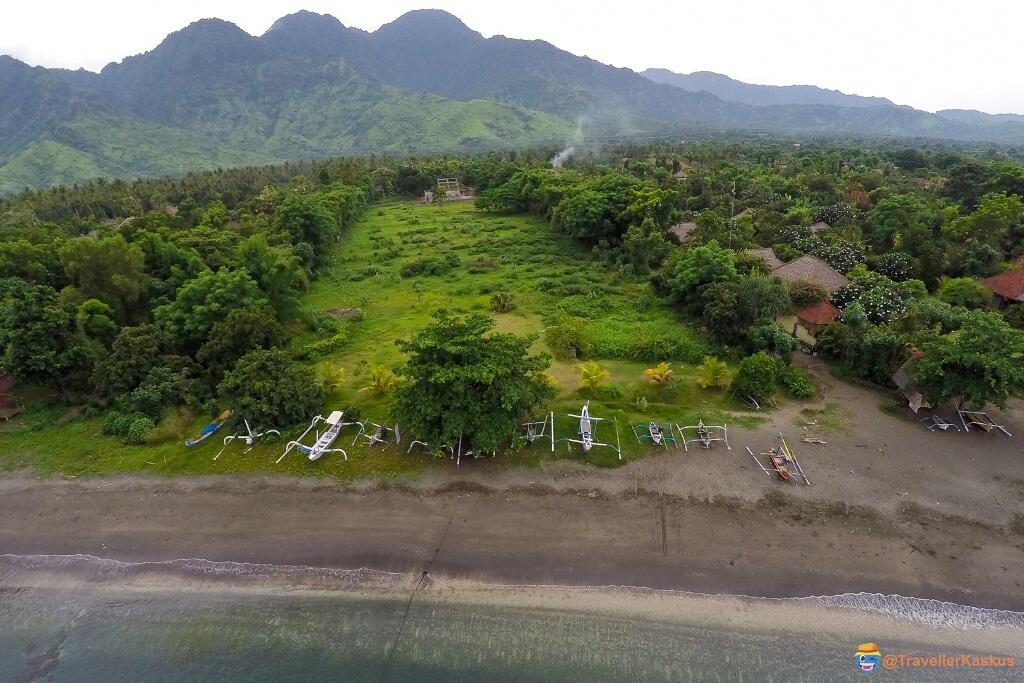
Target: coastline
[
  {"x": 922, "y": 623},
  {"x": 777, "y": 547}
]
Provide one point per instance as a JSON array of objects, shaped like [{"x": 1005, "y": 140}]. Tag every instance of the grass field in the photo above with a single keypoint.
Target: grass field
[{"x": 380, "y": 289}]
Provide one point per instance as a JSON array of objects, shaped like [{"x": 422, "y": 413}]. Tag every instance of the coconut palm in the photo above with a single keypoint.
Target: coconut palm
[
  {"x": 592, "y": 375},
  {"x": 713, "y": 373}
]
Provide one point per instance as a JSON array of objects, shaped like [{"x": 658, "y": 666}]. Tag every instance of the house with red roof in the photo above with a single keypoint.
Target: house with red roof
[
  {"x": 1008, "y": 287},
  {"x": 806, "y": 323}
]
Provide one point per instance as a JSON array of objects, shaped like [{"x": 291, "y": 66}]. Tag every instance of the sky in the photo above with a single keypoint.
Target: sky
[{"x": 930, "y": 54}]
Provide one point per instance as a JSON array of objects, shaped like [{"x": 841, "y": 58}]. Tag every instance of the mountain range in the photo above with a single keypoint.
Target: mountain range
[{"x": 212, "y": 95}]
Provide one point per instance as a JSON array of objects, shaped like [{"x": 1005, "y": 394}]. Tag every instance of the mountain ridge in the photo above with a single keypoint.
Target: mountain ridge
[{"x": 311, "y": 86}]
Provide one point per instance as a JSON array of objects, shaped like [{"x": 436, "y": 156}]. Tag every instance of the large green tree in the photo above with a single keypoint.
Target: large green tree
[
  {"x": 694, "y": 270},
  {"x": 464, "y": 381},
  {"x": 981, "y": 362},
  {"x": 201, "y": 303},
  {"x": 39, "y": 337},
  {"x": 270, "y": 390},
  {"x": 277, "y": 271},
  {"x": 108, "y": 269}
]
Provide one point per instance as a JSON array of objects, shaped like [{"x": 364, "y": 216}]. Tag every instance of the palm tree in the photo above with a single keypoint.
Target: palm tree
[
  {"x": 713, "y": 373},
  {"x": 659, "y": 374},
  {"x": 382, "y": 380},
  {"x": 592, "y": 375}
]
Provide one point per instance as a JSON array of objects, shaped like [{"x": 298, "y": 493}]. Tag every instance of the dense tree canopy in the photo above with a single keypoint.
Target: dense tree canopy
[{"x": 464, "y": 381}]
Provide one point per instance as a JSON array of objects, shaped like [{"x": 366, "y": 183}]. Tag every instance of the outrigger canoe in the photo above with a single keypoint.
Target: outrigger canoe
[{"x": 207, "y": 431}]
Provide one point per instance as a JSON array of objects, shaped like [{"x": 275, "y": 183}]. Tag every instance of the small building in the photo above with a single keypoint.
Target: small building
[
  {"x": 812, "y": 270},
  {"x": 453, "y": 189},
  {"x": 681, "y": 231},
  {"x": 806, "y": 323},
  {"x": 1008, "y": 287},
  {"x": 767, "y": 254}
]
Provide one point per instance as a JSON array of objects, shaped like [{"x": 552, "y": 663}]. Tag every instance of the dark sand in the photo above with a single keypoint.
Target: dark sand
[{"x": 893, "y": 509}]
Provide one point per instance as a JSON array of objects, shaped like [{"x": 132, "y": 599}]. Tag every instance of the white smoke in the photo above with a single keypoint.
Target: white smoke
[
  {"x": 570, "y": 147},
  {"x": 563, "y": 156}
]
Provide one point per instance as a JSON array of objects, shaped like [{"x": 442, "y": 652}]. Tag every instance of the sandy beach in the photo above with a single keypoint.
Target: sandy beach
[{"x": 893, "y": 509}]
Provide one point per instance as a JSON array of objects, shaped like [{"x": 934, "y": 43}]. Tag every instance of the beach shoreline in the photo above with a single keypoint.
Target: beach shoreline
[
  {"x": 925, "y": 623},
  {"x": 776, "y": 547}
]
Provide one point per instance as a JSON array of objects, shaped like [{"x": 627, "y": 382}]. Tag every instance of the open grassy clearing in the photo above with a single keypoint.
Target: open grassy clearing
[{"x": 400, "y": 263}]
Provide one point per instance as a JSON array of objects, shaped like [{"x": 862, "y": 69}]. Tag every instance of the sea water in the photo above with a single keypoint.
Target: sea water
[{"x": 219, "y": 622}]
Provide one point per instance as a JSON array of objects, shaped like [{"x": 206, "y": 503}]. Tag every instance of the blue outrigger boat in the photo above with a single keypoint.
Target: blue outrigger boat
[{"x": 209, "y": 429}]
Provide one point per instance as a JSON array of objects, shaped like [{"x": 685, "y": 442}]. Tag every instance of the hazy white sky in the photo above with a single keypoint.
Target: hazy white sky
[{"x": 931, "y": 54}]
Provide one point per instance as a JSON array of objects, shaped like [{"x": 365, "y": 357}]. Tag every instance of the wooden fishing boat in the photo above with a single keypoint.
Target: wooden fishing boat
[
  {"x": 208, "y": 431},
  {"x": 779, "y": 465}
]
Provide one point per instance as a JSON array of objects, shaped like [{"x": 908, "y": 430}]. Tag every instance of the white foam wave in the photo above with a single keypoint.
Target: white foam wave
[{"x": 922, "y": 611}]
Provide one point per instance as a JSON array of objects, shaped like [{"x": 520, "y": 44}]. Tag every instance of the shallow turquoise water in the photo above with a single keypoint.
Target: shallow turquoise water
[{"x": 78, "y": 634}]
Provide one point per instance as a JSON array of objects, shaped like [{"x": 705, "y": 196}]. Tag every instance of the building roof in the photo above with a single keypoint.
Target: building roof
[
  {"x": 819, "y": 226},
  {"x": 768, "y": 254},
  {"x": 813, "y": 270},
  {"x": 682, "y": 230},
  {"x": 821, "y": 313},
  {"x": 1007, "y": 285}
]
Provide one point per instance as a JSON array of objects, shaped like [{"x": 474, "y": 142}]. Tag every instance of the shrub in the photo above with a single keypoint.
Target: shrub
[
  {"x": 963, "y": 291},
  {"x": 659, "y": 374},
  {"x": 325, "y": 347},
  {"x": 502, "y": 302},
  {"x": 756, "y": 377},
  {"x": 713, "y": 373},
  {"x": 430, "y": 265},
  {"x": 611, "y": 391},
  {"x": 796, "y": 382},
  {"x": 592, "y": 375},
  {"x": 382, "y": 381},
  {"x": 566, "y": 338},
  {"x": 138, "y": 429},
  {"x": 805, "y": 293},
  {"x": 116, "y": 423}
]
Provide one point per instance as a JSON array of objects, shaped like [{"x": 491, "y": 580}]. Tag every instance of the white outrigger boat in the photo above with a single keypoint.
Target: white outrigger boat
[{"x": 323, "y": 442}]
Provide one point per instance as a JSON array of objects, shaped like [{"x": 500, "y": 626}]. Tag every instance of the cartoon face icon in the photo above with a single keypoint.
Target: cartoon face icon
[{"x": 868, "y": 657}]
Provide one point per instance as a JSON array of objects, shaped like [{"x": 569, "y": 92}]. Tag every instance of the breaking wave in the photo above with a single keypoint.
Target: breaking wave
[{"x": 921, "y": 611}]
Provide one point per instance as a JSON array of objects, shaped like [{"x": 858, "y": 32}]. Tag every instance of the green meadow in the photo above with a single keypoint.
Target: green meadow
[{"x": 387, "y": 275}]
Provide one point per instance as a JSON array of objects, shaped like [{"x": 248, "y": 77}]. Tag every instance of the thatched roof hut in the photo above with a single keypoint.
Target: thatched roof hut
[{"x": 812, "y": 270}]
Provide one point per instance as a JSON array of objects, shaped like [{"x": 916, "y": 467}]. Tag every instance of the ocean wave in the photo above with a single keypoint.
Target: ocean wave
[{"x": 921, "y": 611}]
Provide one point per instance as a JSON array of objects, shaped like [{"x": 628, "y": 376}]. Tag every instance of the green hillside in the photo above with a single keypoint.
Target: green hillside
[{"x": 112, "y": 146}]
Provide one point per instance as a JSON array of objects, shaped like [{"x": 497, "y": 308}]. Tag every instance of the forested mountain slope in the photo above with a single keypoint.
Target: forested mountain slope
[{"x": 211, "y": 95}]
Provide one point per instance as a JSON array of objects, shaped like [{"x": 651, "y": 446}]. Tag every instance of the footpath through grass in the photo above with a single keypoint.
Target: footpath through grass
[{"x": 400, "y": 263}]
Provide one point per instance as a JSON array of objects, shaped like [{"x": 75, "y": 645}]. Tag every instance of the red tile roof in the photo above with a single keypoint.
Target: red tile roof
[
  {"x": 821, "y": 313},
  {"x": 1007, "y": 285}
]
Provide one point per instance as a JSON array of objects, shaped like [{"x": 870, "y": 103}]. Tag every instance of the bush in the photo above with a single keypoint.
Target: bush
[
  {"x": 431, "y": 265},
  {"x": 610, "y": 391},
  {"x": 660, "y": 374},
  {"x": 566, "y": 338},
  {"x": 796, "y": 382},
  {"x": 805, "y": 293},
  {"x": 713, "y": 373},
  {"x": 649, "y": 341},
  {"x": 116, "y": 423},
  {"x": 502, "y": 302},
  {"x": 138, "y": 429},
  {"x": 325, "y": 347},
  {"x": 756, "y": 377}
]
